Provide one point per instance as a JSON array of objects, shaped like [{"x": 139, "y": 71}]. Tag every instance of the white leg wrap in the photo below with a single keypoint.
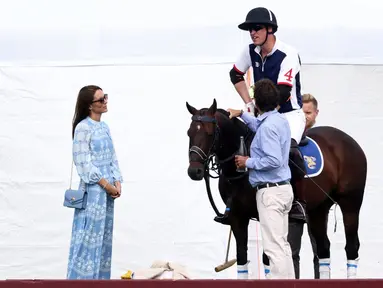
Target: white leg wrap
[
  {"x": 324, "y": 268},
  {"x": 267, "y": 272},
  {"x": 243, "y": 271},
  {"x": 352, "y": 267}
]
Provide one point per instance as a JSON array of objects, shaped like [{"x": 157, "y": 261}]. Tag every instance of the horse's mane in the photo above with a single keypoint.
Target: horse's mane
[{"x": 238, "y": 123}]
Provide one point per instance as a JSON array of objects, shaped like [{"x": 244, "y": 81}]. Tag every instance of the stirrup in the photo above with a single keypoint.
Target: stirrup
[
  {"x": 298, "y": 210},
  {"x": 223, "y": 219}
]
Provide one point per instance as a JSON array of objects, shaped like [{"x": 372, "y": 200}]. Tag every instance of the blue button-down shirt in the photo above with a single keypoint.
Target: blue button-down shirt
[{"x": 269, "y": 151}]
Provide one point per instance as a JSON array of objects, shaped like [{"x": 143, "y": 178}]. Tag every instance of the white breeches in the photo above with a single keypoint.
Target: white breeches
[{"x": 297, "y": 122}]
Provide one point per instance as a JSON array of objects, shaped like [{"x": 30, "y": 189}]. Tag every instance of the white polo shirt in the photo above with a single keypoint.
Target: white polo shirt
[{"x": 282, "y": 66}]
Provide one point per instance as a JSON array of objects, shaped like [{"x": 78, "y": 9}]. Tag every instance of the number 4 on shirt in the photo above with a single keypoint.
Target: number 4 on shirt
[{"x": 288, "y": 75}]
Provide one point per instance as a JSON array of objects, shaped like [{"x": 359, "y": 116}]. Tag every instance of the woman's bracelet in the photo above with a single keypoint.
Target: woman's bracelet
[{"x": 106, "y": 184}]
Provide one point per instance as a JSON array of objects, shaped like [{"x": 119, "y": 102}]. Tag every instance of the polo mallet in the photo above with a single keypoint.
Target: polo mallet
[{"x": 227, "y": 264}]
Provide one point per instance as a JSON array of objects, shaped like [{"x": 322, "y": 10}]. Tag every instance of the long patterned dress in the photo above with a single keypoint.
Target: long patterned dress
[{"x": 90, "y": 253}]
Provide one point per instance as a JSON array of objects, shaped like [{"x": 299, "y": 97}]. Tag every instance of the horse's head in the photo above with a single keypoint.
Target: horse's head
[
  {"x": 212, "y": 133},
  {"x": 203, "y": 136}
]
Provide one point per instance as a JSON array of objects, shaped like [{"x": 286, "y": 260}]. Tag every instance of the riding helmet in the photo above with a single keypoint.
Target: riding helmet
[{"x": 259, "y": 16}]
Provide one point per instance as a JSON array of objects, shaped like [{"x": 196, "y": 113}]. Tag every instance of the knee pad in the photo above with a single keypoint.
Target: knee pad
[
  {"x": 294, "y": 151},
  {"x": 293, "y": 144},
  {"x": 295, "y": 154},
  {"x": 296, "y": 157}
]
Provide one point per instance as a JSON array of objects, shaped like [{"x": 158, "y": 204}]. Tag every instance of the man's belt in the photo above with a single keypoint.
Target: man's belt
[{"x": 267, "y": 185}]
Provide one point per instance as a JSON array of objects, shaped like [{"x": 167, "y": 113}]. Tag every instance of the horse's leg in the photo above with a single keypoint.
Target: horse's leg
[
  {"x": 315, "y": 259},
  {"x": 317, "y": 223},
  {"x": 266, "y": 265},
  {"x": 295, "y": 239},
  {"x": 240, "y": 230},
  {"x": 350, "y": 210}
]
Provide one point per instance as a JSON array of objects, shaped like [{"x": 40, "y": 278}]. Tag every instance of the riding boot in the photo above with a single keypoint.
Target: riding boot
[
  {"x": 298, "y": 208},
  {"x": 224, "y": 219},
  {"x": 298, "y": 171}
]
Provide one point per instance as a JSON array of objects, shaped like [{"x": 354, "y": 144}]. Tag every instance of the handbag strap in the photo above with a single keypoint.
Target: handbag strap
[{"x": 71, "y": 175}]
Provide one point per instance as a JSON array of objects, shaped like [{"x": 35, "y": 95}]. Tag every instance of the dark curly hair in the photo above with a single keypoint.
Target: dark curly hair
[{"x": 266, "y": 95}]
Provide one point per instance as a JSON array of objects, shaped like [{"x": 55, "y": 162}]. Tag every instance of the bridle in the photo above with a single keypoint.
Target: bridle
[
  {"x": 210, "y": 160},
  {"x": 209, "y": 157}
]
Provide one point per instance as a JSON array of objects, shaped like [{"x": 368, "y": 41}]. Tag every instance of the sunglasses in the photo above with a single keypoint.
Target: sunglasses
[
  {"x": 256, "y": 28},
  {"x": 102, "y": 100}
]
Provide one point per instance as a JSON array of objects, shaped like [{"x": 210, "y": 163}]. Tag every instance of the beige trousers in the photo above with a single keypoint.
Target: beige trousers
[{"x": 274, "y": 204}]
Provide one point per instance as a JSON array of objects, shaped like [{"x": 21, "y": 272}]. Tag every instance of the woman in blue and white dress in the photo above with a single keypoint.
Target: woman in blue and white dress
[{"x": 94, "y": 156}]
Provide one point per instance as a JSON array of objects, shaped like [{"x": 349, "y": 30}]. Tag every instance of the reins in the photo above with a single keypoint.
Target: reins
[{"x": 212, "y": 159}]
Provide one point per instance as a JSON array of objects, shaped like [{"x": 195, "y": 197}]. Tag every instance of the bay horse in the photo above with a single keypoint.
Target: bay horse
[{"x": 333, "y": 159}]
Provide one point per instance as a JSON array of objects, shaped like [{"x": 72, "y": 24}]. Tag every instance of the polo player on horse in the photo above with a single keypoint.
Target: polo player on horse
[{"x": 271, "y": 58}]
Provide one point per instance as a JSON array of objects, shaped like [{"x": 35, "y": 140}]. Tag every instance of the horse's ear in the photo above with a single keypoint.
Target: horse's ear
[
  {"x": 191, "y": 109},
  {"x": 213, "y": 108}
]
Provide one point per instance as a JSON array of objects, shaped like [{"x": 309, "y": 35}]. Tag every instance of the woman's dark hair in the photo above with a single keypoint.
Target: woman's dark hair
[
  {"x": 266, "y": 95},
  {"x": 84, "y": 100}
]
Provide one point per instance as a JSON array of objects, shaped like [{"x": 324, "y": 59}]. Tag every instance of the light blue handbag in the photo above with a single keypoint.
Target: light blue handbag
[{"x": 75, "y": 198}]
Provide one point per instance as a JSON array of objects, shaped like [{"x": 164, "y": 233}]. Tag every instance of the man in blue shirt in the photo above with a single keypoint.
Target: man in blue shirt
[{"x": 270, "y": 175}]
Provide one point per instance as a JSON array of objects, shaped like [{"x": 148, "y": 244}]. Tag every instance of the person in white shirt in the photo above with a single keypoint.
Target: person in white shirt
[{"x": 310, "y": 108}]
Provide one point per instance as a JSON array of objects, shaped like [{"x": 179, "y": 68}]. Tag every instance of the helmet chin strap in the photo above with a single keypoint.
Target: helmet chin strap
[{"x": 267, "y": 35}]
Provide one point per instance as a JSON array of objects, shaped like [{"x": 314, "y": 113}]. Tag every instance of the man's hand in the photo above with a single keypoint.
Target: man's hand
[
  {"x": 240, "y": 161},
  {"x": 234, "y": 113}
]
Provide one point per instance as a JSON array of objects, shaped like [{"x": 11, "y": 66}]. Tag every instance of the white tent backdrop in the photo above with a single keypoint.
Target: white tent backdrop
[{"x": 151, "y": 62}]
